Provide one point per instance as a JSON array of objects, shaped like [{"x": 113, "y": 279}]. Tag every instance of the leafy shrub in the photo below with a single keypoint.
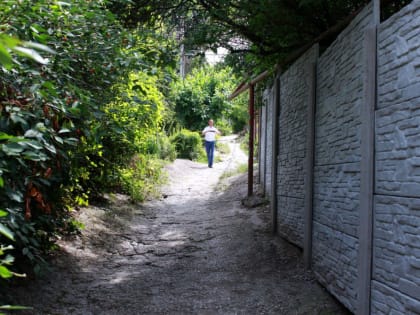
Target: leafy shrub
[
  {"x": 143, "y": 176},
  {"x": 161, "y": 147},
  {"x": 222, "y": 147},
  {"x": 224, "y": 127},
  {"x": 5, "y": 259},
  {"x": 46, "y": 105},
  {"x": 188, "y": 144},
  {"x": 204, "y": 95},
  {"x": 130, "y": 131},
  {"x": 238, "y": 115},
  {"x": 244, "y": 142},
  {"x": 57, "y": 141}
]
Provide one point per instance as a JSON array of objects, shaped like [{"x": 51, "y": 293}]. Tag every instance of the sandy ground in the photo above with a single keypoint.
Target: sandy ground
[{"x": 197, "y": 250}]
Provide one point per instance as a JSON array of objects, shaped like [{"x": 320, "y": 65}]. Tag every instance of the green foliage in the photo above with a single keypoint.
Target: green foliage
[
  {"x": 224, "y": 126},
  {"x": 260, "y": 34},
  {"x": 242, "y": 168},
  {"x": 46, "y": 103},
  {"x": 161, "y": 147},
  {"x": 8, "y": 259},
  {"x": 202, "y": 95},
  {"x": 188, "y": 144},
  {"x": 222, "y": 147},
  {"x": 141, "y": 178},
  {"x": 73, "y": 114},
  {"x": 238, "y": 117},
  {"x": 4, "y": 230},
  {"x": 131, "y": 125},
  {"x": 136, "y": 112},
  {"x": 13, "y": 308},
  {"x": 244, "y": 143}
]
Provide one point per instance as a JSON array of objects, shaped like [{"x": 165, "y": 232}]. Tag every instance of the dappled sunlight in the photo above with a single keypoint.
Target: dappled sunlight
[
  {"x": 195, "y": 250},
  {"x": 173, "y": 235},
  {"x": 121, "y": 276},
  {"x": 75, "y": 249},
  {"x": 174, "y": 243}
]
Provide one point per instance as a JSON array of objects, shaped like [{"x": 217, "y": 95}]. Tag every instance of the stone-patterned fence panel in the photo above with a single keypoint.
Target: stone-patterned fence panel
[
  {"x": 295, "y": 86},
  {"x": 396, "y": 268},
  {"x": 337, "y": 161},
  {"x": 364, "y": 230}
]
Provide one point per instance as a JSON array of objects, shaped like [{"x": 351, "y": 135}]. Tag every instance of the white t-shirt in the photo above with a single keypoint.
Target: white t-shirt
[{"x": 210, "y": 133}]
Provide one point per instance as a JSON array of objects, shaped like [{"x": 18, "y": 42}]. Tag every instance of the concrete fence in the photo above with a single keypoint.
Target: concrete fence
[{"x": 346, "y": 187}]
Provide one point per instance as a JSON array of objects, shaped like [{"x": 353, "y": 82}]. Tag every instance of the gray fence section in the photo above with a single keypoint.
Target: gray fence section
[
  {"x": 293, "y": 112},
  {"x": 396, "y": 267},
  {"x": 363, "y": 244},
  {"x": 337, "y": 161}
]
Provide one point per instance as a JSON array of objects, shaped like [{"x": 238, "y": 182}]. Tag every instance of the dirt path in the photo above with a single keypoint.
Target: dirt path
[{"x": 196, "y": 251}]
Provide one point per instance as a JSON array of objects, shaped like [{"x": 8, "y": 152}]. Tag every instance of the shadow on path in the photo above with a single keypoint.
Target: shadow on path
[{"x": 198, "y": 251}]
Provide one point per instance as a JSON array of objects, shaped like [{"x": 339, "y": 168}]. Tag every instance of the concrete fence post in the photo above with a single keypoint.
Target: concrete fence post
[
  {"x": 309, "y": 168},
  {"x": 367, "y": 175},
  {"x": 260, "y": 148},
  {"x": 275, "y": 152}
]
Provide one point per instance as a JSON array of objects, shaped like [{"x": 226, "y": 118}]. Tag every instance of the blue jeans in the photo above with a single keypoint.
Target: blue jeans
[{"x": 210, "y": 152}]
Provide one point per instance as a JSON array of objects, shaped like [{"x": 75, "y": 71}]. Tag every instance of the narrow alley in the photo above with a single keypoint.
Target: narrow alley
[{"x": 196, "y": 250}]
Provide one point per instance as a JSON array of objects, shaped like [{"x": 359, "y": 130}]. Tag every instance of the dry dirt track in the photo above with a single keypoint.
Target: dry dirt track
[{"x": 197, "y": 251}]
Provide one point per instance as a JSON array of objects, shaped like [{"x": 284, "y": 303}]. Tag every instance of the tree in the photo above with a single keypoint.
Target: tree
[
  {"x": 261, "y": 33},
  {"x": 204, "y": 95}
]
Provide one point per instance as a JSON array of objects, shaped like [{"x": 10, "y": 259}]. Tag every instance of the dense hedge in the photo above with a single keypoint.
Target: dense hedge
[
  {"x": 188, "y": 144},
  {"x": 74, "y": 117}
]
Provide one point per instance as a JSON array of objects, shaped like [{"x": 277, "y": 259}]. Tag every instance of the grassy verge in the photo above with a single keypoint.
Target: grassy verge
[{"x": 242, "y": 168}]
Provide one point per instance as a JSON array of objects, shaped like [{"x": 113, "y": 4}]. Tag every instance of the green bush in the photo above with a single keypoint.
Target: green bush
[
  {"x": 244, "y": 142},
  {"x": 130, "y": 126},
  {"x": 141, "y": 179},
  {"x": 188, "y": 144},
  {"x": 46, "y": 104},
  {"x": 224, "y": 127},
  {"x": 222, "y": 147},
  {"x": 161, "y": 147},
  {"x": 238, "y": 115},
  {"x": 203, "y": 94},
  {"x": 71, "y": 116}
]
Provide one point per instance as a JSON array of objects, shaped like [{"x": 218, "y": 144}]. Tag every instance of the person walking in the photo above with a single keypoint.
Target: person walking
[{"x": 210, "y": 139}]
